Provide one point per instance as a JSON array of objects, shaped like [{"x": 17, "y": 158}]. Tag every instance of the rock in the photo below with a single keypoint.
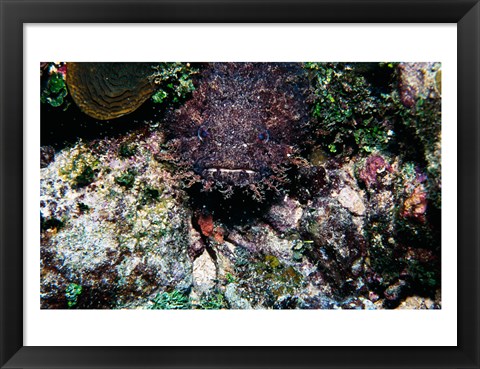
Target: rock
[
  {"x": 336, "y": 240},
  {"x": 357, "y": 267},
  {"x": 394, "y": 291},
  {"x": 204, "y": 273},
  {"x": 351, "y": 200},
  {"x": 333, "y": 224},
  {"x": 225, "y": 260},
  {"x": 265, "y": 279},
  {"x": 262, "y": 239},
  {"x": 418, "y": 80},
  {"x": 418, "y": 303},
  {"x": 285, "y": 215},
  {"x": 47, "y": 155},
  {"x": 234, "y": 300},
  {"x": 119, "y": 244},
  {"x": 196, "y": 244},
  {"x": 367, "y": 304},
  {"x": 287, "y": 302}
]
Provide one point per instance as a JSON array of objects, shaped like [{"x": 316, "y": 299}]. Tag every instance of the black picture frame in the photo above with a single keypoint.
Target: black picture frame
[{"x": 14, "y": 13}]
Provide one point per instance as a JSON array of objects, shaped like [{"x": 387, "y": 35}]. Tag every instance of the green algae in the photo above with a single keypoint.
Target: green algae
[
  {"x": 229, "y": 278},
  {"x": 72, "y": 293},
  {"x": 127, "y": 178},
  {"x": 174, "y": 81},
  {"x": 149, "y": 195},
  {"x": 425, "y": 276},
  {"x": 79, "y": 167},
  {"x": 350, "y": 112},
  {"x": 174, "y": 300},
  {"x": 55, "y": 91},
  {"x": 211, "y": 301},
  {"x": 127, "y": 150},
  {"x": 51, "y": 223}
]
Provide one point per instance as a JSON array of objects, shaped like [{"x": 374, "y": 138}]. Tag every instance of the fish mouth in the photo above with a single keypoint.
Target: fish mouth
[
  {"x": 231, "y": 176},
  {"x": 230, "y": 171}
]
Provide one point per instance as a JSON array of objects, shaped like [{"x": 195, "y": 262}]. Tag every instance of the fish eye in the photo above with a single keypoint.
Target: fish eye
[
  {"x": 202, "y": 133},
  {"x": 264, "y": 136}
]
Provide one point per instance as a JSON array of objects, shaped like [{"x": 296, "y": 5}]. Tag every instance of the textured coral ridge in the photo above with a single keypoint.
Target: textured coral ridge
[
  {"x": 110, "y": 90},
  {"x": 241, "y": 127}
]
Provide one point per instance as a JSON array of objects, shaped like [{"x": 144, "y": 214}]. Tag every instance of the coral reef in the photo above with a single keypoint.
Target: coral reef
[{"x": 239, "y": 198}]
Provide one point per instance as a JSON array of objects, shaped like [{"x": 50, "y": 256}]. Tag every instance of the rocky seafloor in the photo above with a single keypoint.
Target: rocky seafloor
[{"x": 356, "y": 226}]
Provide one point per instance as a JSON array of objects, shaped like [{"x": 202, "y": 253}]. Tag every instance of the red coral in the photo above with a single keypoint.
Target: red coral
[
  {"x": 206, "y": 224},
  {"x": 209, "y": 229}
]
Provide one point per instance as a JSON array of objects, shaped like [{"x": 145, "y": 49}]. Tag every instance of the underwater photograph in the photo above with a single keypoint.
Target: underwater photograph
[{"x": 240, "y": 185}]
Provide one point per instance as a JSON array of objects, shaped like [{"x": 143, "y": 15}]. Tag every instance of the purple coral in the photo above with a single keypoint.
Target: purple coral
[{"x": 374, "y": 165}]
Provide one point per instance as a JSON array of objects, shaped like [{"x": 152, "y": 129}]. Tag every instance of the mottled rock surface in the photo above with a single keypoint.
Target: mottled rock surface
[{"x": 120, "y": 236}]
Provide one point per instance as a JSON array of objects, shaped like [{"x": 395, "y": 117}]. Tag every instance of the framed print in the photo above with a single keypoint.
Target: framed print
[{"x": 227, "y": 184}]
